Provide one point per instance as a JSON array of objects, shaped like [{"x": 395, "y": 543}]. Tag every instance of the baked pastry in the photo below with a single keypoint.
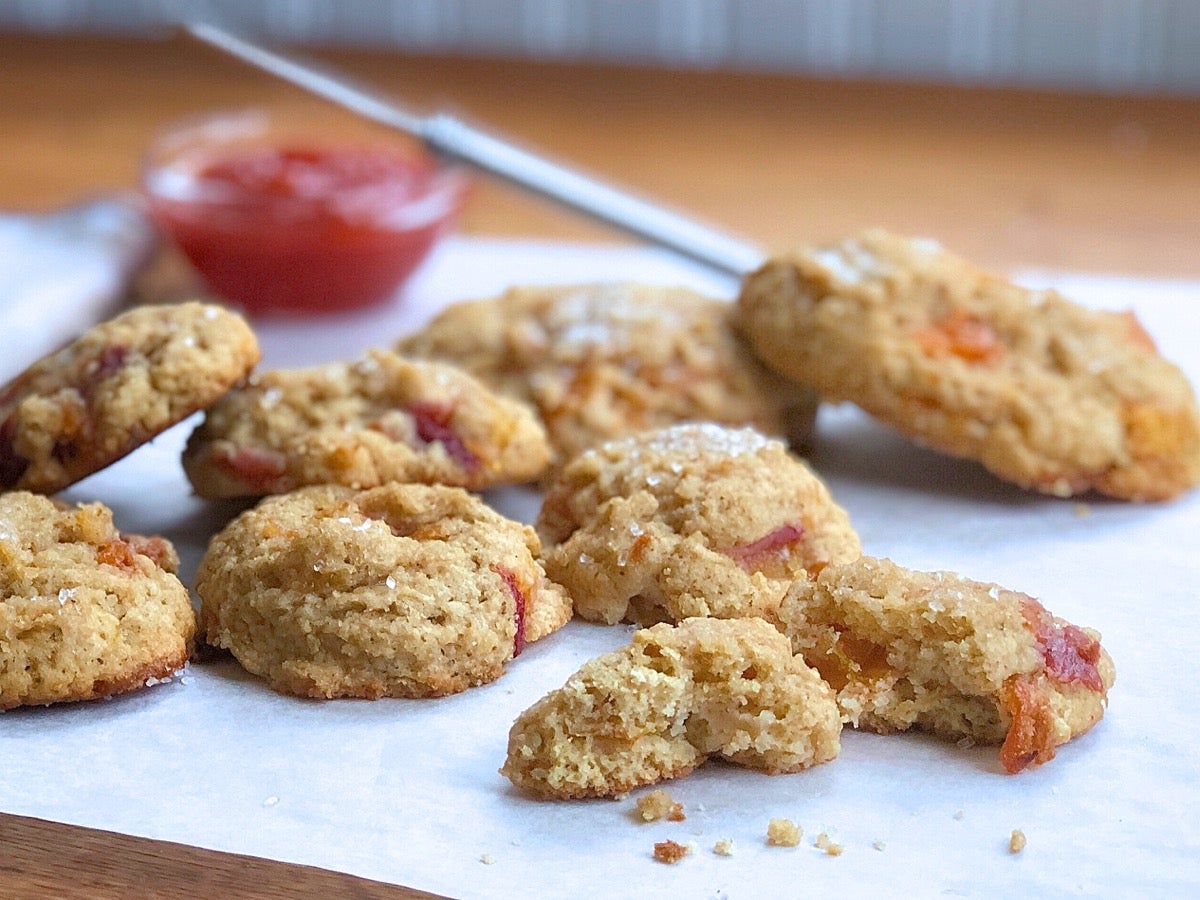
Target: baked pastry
[
  {"x": 1044, "y": 393},
  {"x": 959, "y": 658},
  {"x": 75, "y": 411},
  {"x": 600, "y": 361},
  {"x": 403, "y": 590},
  {"x": 689, "y": 520},
  {"x": 678, "y": 694},
  {"x": 362, "y": 424},
  {"x": 85, "y": 611}
]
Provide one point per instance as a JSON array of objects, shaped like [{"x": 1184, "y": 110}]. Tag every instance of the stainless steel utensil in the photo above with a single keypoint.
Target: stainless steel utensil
[{"x": 451, "y": 137}]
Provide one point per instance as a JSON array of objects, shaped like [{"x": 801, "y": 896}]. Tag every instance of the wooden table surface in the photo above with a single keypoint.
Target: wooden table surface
[{"x": 1011, "y": 179}]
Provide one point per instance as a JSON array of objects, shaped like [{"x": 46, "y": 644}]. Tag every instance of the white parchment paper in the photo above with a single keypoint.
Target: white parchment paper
[{"x": 408, "y": 792}]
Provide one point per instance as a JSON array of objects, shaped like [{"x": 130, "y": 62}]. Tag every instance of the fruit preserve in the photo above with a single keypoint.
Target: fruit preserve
[{"x": 294, "y": 226}]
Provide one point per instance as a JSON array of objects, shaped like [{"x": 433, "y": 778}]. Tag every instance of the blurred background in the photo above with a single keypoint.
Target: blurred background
[
  {"x": 1097, "y": 45},
  {"x": 1022, "y": 133}
]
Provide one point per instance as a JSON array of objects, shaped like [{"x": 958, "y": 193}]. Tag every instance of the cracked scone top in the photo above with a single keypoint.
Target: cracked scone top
[
  {"x": 689, "y": 520},
  {"x": 675, "y": 696},
  {"x": 85, "y": 611},
  {"x": 600, "y": 361},
  {"x": 403, "y": 590},
  {"x": 119, "y": 384},
  {"x": 361, "y": 424},
  {"x": 1044, "y": 393},
  {"x": 940, "y": 652}
]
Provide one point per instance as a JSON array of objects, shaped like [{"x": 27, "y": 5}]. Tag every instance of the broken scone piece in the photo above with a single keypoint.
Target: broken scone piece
[
  {"x": 361, "y": 424},
  {"x": 689, "y": 520},
  {"x": 677, "y": 694},
  {"x": 404, "y": 590},
  {"x": 1043, "y": 392},
  {"x": 959, "y": 658},
  {"x": 85, "y": 611}
]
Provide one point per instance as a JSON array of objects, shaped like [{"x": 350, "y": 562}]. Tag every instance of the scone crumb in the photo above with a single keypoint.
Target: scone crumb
[
  {"x": 879, "y": 845},
  {"x": 783, "y": 833},
  {"x": 670, "y": 852},
  {"x": 1016, "y": 841},
  {"x": 487, "y": 859},
  {"x": 824, "y": 842},
  {"x": 723, "y": 847},
  {"x": 658, "y": 804}
]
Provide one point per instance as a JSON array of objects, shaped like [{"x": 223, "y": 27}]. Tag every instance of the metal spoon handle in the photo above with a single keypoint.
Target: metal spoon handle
[{"x": 451, "y": 137}]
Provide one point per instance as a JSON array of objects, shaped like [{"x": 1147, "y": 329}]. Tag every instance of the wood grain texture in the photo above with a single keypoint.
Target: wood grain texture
[
  {"x": 1011, "y": 179},
  {"x": 40, "y": 859}
]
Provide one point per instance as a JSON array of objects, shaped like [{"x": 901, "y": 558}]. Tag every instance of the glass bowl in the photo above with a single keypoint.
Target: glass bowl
[{"x": 277, "y": 217}]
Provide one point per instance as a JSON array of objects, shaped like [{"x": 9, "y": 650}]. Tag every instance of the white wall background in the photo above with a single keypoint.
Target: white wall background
[{"x": 1125, "y": 46}]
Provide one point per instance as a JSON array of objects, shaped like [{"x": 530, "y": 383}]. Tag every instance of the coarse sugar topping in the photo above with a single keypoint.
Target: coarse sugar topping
[
  {"x": 696, "y": 439},
  {"x": 850, "y": 262},
  {"x": 606, "y": 315}
]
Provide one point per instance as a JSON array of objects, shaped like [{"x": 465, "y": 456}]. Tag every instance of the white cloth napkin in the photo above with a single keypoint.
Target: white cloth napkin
[{"x": 62, "y": 271}]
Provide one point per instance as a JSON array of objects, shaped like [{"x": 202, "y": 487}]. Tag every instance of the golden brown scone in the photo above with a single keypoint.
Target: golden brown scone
[
  {"x": 962, "y": 659},
  {"x": 85, "y": 611},
  {"x": 678, "y": 694},
  {"x": 403, "y": 590},
  {"x": 1044, "y": 393},
  {"x": 689, "y": 520},
  {"x": 75, "y": 411},
  {"x": 361, "y": 424},
  {"x": 600, "y": 361}
]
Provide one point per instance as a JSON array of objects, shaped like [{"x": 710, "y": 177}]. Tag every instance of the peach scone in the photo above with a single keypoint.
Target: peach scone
[
  {"x": 689, "y": 520},
  {"x": 940, "y": 652},
  {"x": 404, "y": 590},
  {"x": 1043, "y": 392},
  {"x": 601, "y": 361},
  {"x": 675, "y": 696}
]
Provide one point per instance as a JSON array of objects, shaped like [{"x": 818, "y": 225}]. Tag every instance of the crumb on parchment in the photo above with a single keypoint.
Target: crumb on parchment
[
  {"x": 723, "y": 847},
  {"x": 670, "y": 852},
  {"x": 824, "y": 842},
  {"x": 783, "y": 833},
  {"x": 658, "y": 804},
  {"x": 1016, "y": 841}
]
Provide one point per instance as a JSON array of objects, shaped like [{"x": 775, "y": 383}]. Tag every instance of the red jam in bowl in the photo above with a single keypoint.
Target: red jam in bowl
[{"x": 275, "y": 224}]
